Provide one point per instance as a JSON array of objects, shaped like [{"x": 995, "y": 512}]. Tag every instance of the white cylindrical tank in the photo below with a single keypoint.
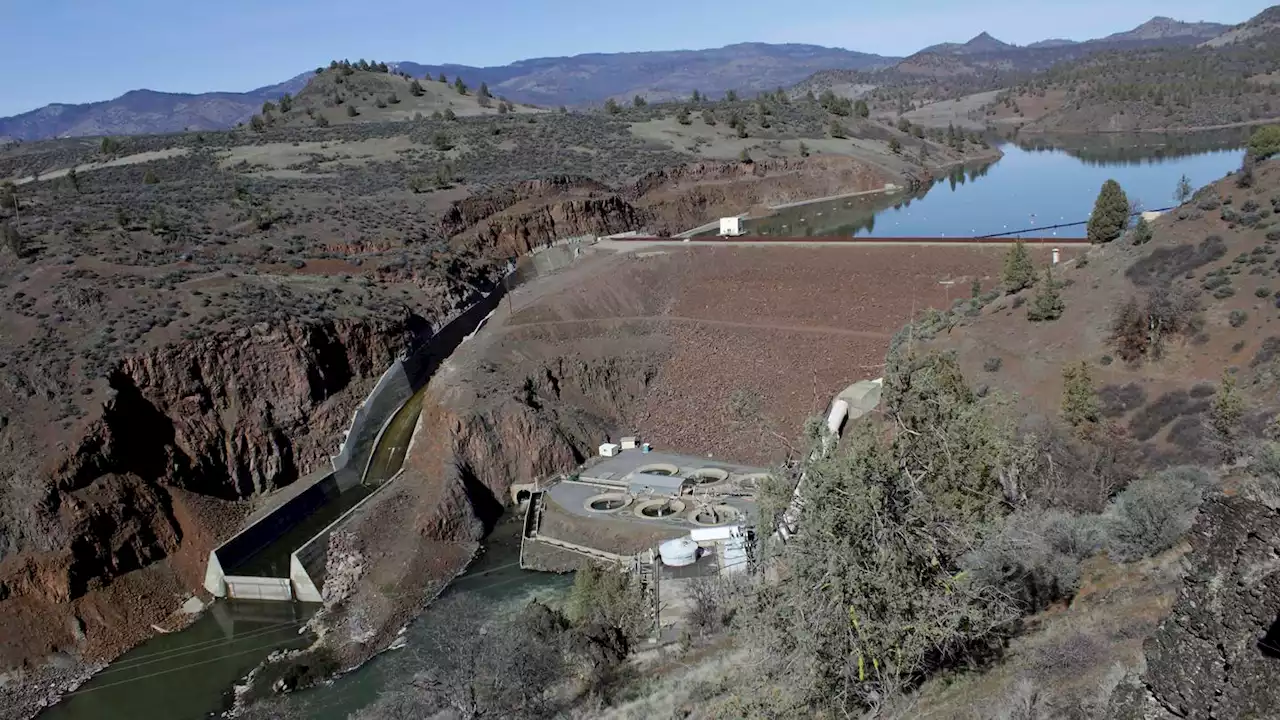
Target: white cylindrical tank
[
  {"x": 679, "y": 552},
  {"x": 1056, "y": 255}
]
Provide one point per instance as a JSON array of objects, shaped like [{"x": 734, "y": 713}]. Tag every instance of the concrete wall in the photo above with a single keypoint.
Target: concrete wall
[
  {"x": 388, "y": 395},
  {"x": 277, "y": 522},
  {"x": 242, "y": 587}
]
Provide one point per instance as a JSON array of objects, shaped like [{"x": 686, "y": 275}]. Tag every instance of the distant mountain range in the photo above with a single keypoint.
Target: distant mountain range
[{"x": 576, "y": 80}]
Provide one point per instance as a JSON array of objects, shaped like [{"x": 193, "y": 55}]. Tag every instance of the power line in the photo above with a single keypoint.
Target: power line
[
  {"x": 193, "y": 649},
  {"x": 1060, "y": 225}
]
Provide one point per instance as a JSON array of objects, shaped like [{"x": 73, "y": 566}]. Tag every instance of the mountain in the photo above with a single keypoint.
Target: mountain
[
  {"x": 1164, "y": 28},
  {"x": 662, "y": 75},
  {"x": 980, "y": 43},
  {"x": 146, "y": 111},
  {"x": 1052, "y": 43}
]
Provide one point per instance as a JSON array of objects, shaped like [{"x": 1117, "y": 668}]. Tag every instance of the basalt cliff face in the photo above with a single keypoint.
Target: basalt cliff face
[{"x": 220, "y": 418}]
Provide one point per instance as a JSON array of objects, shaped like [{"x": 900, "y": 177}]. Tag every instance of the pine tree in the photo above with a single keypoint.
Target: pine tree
[
  {"x": 731, "y": 95},
  {"x": 1018, "y": 272},
  {"x": 695, "y": 97},
  {"x": 1142, "y": 232},
  {"x": 1224, "y": 417},
  {"x": 861, "y": 109},
  {"x": 1184, "y": 190},
  {"x": 837, "y": 130},
  {"x": 1047, "y": 303},
  {"x": 484, "y": 90},
  {"x": 682, "y": 116},
  {"x": 1110, "y": 213},
  {"x": 1079, "y": 399},
  {"x": 415, "y": 89},
  {"x": 639, "y": 101},
  {"x": 442, "y": 78}
]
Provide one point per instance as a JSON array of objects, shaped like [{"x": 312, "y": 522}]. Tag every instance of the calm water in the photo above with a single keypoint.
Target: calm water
[
  {"x": 188, "y": 675},
  {"x": 1028, "y": 187}
]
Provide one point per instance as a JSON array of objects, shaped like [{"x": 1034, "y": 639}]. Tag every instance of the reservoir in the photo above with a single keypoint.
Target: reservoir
[{"x": 1033, "y": 185}]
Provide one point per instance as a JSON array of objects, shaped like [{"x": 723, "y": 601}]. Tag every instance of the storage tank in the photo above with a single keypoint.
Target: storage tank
[{"x": 679, "y": 552}]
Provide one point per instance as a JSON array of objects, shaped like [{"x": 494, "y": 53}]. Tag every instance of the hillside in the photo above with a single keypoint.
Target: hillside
[
  {"x": 1208, "y": 85},
  {"x": 952, "y": 71}
]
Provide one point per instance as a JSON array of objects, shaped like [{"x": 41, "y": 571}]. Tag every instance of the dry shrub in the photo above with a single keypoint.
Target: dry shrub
[
  {"x": 1139, "y": 328},
  {"x": 1080, "y": 471},
  {"x": 1035, "y": 558},
  {"x": 1148, "y": 421},
  {"x": 1116, "y": 400},
  {"x": 1163, "y": 265},
  {"x": 1154, "y": 513}
]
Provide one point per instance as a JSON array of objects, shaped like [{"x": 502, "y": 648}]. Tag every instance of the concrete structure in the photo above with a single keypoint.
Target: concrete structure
[
  {"x": 731, "y": 226},
  {"x": 609, "y": 450},
  {"x": 645, "y": 483}
]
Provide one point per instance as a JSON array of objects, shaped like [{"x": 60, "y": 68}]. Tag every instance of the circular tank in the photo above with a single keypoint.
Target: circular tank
[
  {"x": 712, "y": 515},
  {"x": 658, "y": 509},
  {"x": 679, "y": 552},
  {"x": 659, "y": 469},
  {"x": 710, "y": 476},
  {"x": 607, "y": 502}
]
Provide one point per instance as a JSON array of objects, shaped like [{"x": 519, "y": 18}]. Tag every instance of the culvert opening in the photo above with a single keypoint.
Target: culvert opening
[
  {"x": 715, "y": 515},
  {"x": 659, "y": 509},
  {"x": 608, "y": 503}
]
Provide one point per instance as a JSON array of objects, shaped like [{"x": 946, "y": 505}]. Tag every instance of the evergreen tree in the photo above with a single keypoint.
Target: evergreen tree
[
  {"x": 639, "y": 101},
  {"x": 895, "y": 146},
  {"x": 1110, "y": 214},
  {"x": 611, "y": 106},
  {"x": 352, "y": 111},
  {"x": 695, "y": 97},
  {"x": 682, "y": 116},
  {"x": 731, "y": 96},
  {"x": 484, "y": 90},
  {"x": 1224, "y": 417},
  {"x": 745, "y": 157},
  {"x": 12, "y": 240},
  {"x": 415, "y": 89},
  {"x": 442, "y": 78},
  {"x": 708, "y": 117},
  {"x": 1079, "y": 399},
  {"x": 1141, "y": 232},
  {"x": 1018, "y": 272},
  {"x": 150, "y": 178},
  {"x": 804, "y": 149},
  {"x": 837, "y": 130},
  {"x": 1244, "y": 178},
  {"x": 450, "y": 115},
  {"x": 1047, "y": 303},
  {"x": 1184, "y": 191},
  {"x": 460, "y": 86},
  {"x": 861, "y": 109}
]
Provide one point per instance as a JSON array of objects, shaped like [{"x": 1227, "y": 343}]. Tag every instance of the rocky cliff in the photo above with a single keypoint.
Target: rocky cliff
[
  {"x": 1206, "y": 659},
  {"x": 226, "y": 416}
]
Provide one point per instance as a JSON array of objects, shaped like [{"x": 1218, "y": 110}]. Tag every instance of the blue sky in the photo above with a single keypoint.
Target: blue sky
[{"x": 87, "y": 50}]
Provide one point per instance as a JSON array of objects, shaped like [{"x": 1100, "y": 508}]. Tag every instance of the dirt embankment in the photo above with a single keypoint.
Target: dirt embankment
[{"x": 105, "y": 537}]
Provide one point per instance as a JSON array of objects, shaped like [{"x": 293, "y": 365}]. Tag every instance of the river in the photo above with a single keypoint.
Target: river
[{"x": 188, "y": 675}]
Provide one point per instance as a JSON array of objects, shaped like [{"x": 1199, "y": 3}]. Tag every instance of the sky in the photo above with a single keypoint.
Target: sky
[{"x": 87, "y": 50}]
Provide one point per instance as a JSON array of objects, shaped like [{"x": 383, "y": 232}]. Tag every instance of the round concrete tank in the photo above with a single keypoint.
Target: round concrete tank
[
  {"x": 666, "y": 469},
  {"x": 659, "y": 508},
  {"x": 679, "y": 552},
  {"x": 607, "y": 503},
  {"x": 710, "y": 476}
]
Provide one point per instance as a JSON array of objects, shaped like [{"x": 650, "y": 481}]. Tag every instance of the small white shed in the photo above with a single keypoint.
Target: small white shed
[
  {"x": 730, "y": 226},
  {"x": 609, "y": 449},
  {"x": 630, "y": 442}
]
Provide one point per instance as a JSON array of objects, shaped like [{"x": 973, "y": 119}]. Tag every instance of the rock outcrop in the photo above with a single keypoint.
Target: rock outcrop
[
  {"x": 1205, "y": 660},
  {"x": 224, "y": 417}
]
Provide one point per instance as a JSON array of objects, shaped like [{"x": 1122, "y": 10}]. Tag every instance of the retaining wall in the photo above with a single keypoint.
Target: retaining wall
[{"x": 244, "y": 587}]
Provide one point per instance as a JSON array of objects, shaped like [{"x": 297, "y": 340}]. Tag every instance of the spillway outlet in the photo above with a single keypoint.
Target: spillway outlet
[
  {"x": 659, "y": 509},
  {"x": 607, "y": 503}
]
